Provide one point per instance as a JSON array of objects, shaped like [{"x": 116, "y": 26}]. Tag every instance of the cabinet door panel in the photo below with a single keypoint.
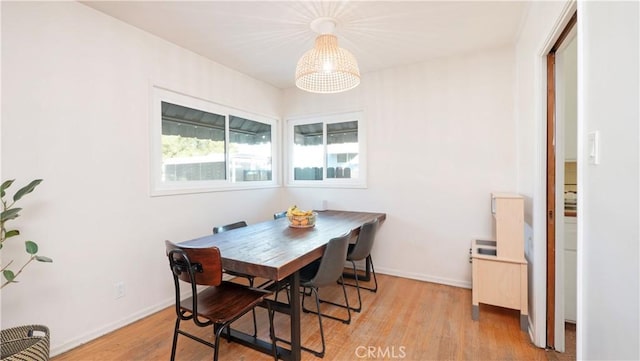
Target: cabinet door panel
[{"x": 498, "y": 283}]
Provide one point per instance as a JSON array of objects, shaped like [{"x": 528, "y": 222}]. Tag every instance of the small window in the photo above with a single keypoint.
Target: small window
[
  {"x": 201, "y": 146},
  {"x": 308, "y": 151},
  {"x": 327, "y": 151},
  {"x": 250, "y": 150},
  {"x": 193, "y": 144}
]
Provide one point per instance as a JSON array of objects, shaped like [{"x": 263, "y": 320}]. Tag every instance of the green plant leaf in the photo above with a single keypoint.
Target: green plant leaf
[
  {"x": 9, "y": 214},
  {"x": 26, "y": 189},
  {"x": 11, "y": 233},
  {"x": 6, "y": 184},
  {"x": 8, "y": 274},
  {"x": 31, "y": 246},
  {"x": 43, "y": 259}
]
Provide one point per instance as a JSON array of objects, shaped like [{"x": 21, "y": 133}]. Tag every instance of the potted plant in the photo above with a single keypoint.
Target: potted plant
[{"x": 30, "y": 342}]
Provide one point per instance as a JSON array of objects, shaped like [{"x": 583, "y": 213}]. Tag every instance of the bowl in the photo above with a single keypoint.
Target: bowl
[{"x": 302, "y": 221}]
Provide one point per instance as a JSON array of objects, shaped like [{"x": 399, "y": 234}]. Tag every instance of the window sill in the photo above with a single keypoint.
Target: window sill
[{"x": 169, "y": 191}]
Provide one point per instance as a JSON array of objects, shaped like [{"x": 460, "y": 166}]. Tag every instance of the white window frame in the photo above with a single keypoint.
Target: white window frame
[
  {"x": 360, "y": 182},
  {"x": 159, "y": 187}
]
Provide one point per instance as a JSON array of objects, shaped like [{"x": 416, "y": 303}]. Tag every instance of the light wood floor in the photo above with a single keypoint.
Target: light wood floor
[{"x": 405, "y": 319}]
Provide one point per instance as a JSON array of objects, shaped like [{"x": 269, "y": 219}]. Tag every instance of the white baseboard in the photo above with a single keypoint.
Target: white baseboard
[
  {"x": 59, "y": 349},
  {"x": 423, "y": 277},
  {"x": 531, "y": 333}
]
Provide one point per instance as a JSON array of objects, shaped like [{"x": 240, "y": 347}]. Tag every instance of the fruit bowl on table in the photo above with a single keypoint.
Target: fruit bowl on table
[{"x": 302, "y": 221}]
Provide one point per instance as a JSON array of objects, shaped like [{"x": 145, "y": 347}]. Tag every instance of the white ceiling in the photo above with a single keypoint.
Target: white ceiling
[{"x": 265, "y": 39}]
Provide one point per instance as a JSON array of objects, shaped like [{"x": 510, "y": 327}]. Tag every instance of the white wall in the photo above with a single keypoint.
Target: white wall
[
  {"x": 75, "y": 112},
  {"x": 608, "y": 246},
  {"x": 440, "y": 139}
]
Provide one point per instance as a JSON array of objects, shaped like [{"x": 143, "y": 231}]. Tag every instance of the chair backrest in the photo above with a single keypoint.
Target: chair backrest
[
  {"x": 199, "y": 266},
  {"x": 332, "y": 262},
  {"x": 364, "y": 243},
  {"x": 196, "y": 266},
  {"x": 280, "y": 215},
  {"x": 228, "y": 227}
]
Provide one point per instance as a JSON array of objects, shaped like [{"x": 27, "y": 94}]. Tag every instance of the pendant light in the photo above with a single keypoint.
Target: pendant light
[{"x": 327, "y": 68}]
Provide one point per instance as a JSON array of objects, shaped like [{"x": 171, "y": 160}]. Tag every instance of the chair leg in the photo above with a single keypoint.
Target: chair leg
[
  {"x": 314, "y": 352},
  {"x": 344, "y": 320},
  {"x": 253, "y": 311},
  {"x": 228, "y": 333},
  {"x": 216, "y": 348},
  {"x": 321, "y": 353},
  {"x": 320, "y": 315},
  {"x": 277, "y": 291},
  {"x": 304, "y": 294},
  {"x": 375, "y": 280},
  {"x": 346, "y": 300},
  {"x": 359, "y": 308},
  {"x": 175, "y": 339},
  {"x": 272, "y": 331},
  {"x": 357, "y": 285}
]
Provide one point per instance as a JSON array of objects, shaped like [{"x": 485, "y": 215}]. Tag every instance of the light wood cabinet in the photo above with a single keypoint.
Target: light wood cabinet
[
  {"x": 507, "y": 210},
  {"x": 499, "y": 269}
]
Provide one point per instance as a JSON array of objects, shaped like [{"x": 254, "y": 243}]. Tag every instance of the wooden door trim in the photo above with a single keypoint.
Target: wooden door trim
[{"x": 551, "y": 199}]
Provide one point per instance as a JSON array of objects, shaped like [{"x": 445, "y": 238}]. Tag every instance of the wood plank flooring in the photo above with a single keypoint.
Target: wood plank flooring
[{"x": 406, "y": 319}]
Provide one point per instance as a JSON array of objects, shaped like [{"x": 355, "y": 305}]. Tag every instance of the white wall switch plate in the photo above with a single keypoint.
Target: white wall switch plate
[{"x": 593, "y": 147}]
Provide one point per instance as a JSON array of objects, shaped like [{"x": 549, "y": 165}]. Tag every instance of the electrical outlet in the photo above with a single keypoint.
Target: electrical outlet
[{"x": 119, "y": 289}]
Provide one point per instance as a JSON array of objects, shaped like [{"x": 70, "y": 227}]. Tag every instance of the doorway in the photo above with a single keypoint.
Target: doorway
[{"x": 562, "y": 187}]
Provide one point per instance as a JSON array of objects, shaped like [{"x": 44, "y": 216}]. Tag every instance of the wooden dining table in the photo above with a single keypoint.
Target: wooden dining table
[{"x": 275, "y": 251}]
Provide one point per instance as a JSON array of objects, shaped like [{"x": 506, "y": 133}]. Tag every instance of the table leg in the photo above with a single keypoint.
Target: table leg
[{"x": 294, "y": 289}]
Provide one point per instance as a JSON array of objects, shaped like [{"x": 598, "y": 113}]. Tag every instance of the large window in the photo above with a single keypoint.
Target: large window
[
  {"x": 202, "y": 146},
  {"x": 327, "y": 151}
]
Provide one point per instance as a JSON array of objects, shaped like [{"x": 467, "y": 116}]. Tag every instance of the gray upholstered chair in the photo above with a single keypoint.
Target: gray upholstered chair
[
  {"x": 279, "y": 215},
  {"x": 361, "y": 250},
  {"x": 325, "y": 272}
]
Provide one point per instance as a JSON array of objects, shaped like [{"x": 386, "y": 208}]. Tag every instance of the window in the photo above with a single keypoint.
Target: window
[
  {"x": 201, "y": 146},
  {"x": 327, "y": 151}
]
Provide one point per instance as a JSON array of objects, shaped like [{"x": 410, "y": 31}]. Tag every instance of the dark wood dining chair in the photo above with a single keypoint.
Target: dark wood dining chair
[
  {"x": 219, "y": 304},
  {"x": 321, "y": 273},
  {"x": 361, "y": 250},
  {"x": 250, "y": 278}
]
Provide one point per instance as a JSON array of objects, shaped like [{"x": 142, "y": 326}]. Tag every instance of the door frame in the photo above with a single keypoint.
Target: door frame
[{"x": 551, "y": 209}]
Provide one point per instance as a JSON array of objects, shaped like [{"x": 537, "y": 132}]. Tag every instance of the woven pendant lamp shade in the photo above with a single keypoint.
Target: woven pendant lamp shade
[{"x": 327, "y": 68}]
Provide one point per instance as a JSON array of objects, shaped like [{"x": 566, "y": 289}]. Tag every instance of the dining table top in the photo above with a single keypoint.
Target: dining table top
[{"x": 274, "y": 250}]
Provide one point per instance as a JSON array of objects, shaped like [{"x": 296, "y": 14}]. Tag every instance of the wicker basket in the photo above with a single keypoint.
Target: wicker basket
[{"x": 25, "y": 343}]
